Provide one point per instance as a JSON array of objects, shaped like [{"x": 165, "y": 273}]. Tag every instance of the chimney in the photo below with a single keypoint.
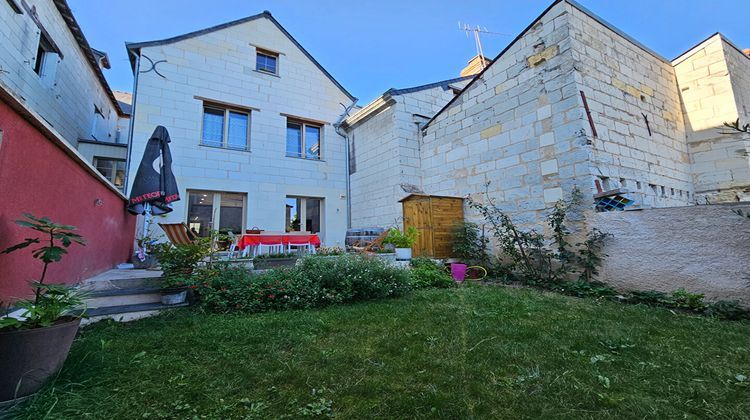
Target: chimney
[
  {"x": 746, "y": 51},
  {"x": 476, "y": 64}
]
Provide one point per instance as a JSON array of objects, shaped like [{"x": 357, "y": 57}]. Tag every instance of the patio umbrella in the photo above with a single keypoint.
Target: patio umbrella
[{"x": 154, "y": 186}]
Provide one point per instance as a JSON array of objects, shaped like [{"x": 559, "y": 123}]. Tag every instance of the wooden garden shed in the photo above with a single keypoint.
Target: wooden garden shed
[{"x": 435, "y": 217}]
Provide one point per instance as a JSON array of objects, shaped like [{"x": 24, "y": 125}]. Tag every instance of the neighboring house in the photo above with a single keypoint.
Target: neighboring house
[
  {"x": 252, "y": 117},
  {"x": 572, "y": 101},
  {"x": 53, "y": 97},
  {"x": 384, "y": 149},
  {"x": 46, "y": 61}
]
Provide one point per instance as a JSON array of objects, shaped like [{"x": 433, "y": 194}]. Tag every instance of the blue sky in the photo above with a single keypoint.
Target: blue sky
[{"x": 370, "y": 46}]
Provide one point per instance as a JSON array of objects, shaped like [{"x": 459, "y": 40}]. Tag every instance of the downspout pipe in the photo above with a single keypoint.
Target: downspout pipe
[
  {"x": 131, "y": 126},
  {"x": 339, "y": 130}
]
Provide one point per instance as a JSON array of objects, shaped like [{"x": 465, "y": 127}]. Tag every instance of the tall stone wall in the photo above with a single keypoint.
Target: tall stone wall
[
  {"x": 635, "y": 108},
  {"x": 702, "y": 249},
  {"x": 518, "y": 126},
  {"x": 712, "y": 94}
]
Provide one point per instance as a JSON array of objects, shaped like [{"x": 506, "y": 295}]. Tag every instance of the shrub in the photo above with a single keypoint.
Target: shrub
[
  {"x": 583, "y": 288},
  {"x": 651, "y": 297},
  {"x": 315, "y": 282},
  {"x": 470, "y": 244},
  {"x": 683, "y": 299},
  {"x": 727, "y": 309},
  {"x": 427, "y": 273},
  {"x": 181, "y": 260}
]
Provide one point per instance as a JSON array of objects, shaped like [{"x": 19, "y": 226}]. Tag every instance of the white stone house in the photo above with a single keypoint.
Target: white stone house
[
  {"x": 252, "y": 117},
  {"x": 46, "y": 60}
]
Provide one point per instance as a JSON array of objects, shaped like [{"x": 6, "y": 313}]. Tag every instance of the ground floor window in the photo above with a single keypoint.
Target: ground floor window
[
  {"x": 303, "y": 214},
  {"x": 212, "y": 210},
  {"x": 112, "y": 169}
]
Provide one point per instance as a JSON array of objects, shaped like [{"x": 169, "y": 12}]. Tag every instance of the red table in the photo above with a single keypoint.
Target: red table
[{"x": 276, "y": 239}]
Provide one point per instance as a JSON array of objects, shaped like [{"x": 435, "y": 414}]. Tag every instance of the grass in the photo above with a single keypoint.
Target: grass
[{"x": 460, "y": 353}]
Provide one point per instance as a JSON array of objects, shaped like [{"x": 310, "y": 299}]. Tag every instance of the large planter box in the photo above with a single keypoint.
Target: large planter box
[
  {"x": 28, "y": 358},
  {"x": 389, "y": 257},
  {"x": 266, "y": 263}
]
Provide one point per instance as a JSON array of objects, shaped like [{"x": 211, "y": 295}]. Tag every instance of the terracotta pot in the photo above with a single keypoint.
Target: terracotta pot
[{"x": 28, "y": 358}]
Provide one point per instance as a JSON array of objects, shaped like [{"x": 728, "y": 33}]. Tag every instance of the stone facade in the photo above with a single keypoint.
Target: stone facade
[
  {"x": 67, "y": 90},
  {"x": 385, "y": 147},
  {"x": 715, "y": 88},
  {"x": 218, "y": 65}
]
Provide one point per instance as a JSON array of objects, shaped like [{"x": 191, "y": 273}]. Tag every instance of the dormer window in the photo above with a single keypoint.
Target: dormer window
[{"x": 267, "y": 62}]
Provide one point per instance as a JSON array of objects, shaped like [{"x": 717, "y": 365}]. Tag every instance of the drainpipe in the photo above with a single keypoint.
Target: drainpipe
[
  {"x": 132, "y": 122},
  {"x": 337, "y": 126}
]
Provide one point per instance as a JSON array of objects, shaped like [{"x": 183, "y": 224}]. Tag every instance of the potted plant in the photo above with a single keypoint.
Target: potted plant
[
  {"x": 402, "y": 241},
  {"x": 35, "y": 344},
  {"x": 144, "y": 257},
  {"x": 266, "y": 261},
  {"x": 177, "y": 264}
]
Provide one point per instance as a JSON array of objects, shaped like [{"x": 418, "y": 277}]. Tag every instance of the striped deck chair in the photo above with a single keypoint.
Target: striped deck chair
[{"x": 178, "y": 233}]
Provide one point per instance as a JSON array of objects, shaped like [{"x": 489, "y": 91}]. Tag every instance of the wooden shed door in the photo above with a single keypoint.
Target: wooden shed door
[
  {"x": 445, "y": 214},
  {"x": 417, "y": 213}
]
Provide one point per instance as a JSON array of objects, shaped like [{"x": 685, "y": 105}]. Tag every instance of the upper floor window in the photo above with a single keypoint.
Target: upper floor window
[
  {"x": 303, "y": 139},
  {"x": 112, "y": 169},
  {"x": 45, "y": 63},
  {"x": 266, "y": 61},
  {"x": 225, "y": 127}
]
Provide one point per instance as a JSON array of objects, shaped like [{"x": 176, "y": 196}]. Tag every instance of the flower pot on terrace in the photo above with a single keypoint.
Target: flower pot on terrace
[
  {"x": 29, "y": 357},
  {"x": 403, "y": 254},
  {"x": 173, "y": 295}
]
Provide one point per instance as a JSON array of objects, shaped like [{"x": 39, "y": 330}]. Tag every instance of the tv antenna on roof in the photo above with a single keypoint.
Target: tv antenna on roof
[{"x": 477, "y": 38}]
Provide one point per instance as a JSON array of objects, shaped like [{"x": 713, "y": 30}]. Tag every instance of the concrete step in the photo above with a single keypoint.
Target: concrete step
[
  {"x": 122, "y": 279},
  {"x": 120, "y": 297},
  {"x": 125, "y": 313}
]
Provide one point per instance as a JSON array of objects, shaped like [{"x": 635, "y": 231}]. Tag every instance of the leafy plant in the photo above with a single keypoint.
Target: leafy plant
[
  {"x": 683, "y": 299},
  {"x": 275, "y": 256},
  {"x": 178, "y": 261},
  {"x": 401, "y": 239},
  {"x": 527, "y": 251},
  {"x": 583, "y": 288},
  {"x": 590, "y": 255},
  {"x": 470, "y": 244},
  {"x": 314, "y": 282},
  {"x": 727, "y": 309},
  {"x": 51, "y": 301},
  {"x": 426, "y": 273},
  {"x": 651, "y": 297}
]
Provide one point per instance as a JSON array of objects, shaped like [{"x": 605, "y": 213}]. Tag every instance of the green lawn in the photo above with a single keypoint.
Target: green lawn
[{"x": 462, "y": 353}]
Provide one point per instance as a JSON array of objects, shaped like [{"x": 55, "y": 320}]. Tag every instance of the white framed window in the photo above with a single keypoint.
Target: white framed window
[
  {"x": 45, "y": 63},
  {"x": 303, "y": 139},
  {"x": 225, "y": 127},
  {"x": 214, "y": 210},
  {"x": 267, "y": 61},
  {"x": 304, "y": 214},
  {"x": 112, "y": 169}
]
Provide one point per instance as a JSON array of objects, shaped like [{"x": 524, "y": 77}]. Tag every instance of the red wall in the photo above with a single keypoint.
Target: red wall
[{"x": 38, "y": 177}]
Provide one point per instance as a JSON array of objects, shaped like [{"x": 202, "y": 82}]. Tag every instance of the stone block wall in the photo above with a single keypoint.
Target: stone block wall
[
  {"x": 387, "y": 154},
  {"x": 700, "y": 248},
  {"x": 66, "y": 99},
  {"x": 635, "y": 107},
  {"x": 518, "y": 126},
  {"x": 713, "y": 79},
  {"x": 220, "y": 66}
]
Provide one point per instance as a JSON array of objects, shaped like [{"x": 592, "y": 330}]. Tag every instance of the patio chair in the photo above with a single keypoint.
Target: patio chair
[
  {"x": 234, "y": 247},
  {"x": 178, "y": 233}
]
